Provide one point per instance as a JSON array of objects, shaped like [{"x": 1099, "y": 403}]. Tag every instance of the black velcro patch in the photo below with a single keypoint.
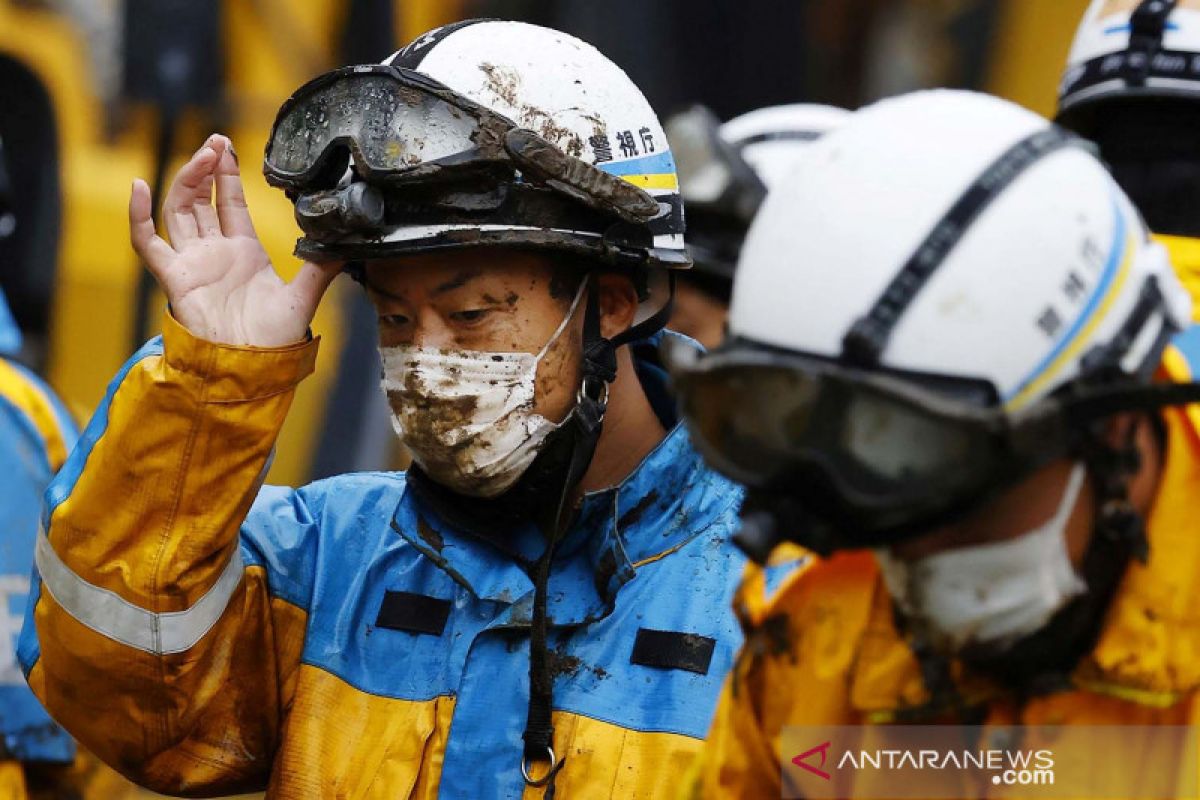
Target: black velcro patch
[
  {"x": 414, "y": 613},
  {"x": 673, "y": 650}
]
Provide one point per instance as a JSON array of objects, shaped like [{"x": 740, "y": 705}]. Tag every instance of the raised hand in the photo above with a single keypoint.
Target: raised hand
[{"x": 215, "y": 273}]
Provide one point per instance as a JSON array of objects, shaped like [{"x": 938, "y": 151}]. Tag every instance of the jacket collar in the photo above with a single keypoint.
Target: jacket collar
[
  {"x": 1149, "y": 650},
  {"x": 666, "y": 501}
]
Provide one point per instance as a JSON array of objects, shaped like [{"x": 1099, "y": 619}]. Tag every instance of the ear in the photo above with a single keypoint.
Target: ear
[
  {"x": 1138, "y": 429},
  {"x": 618, "y": 303}
]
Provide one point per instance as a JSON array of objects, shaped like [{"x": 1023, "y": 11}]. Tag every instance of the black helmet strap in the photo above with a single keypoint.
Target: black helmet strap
[{"x": 1146, "y": 27}]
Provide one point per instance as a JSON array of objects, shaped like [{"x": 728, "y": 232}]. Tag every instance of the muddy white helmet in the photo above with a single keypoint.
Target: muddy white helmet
[
  {"x": 727, "y": 169},
  {"x": 1131, "y": 49},
  {"x": 483, "y": 132},
  {"x": 920, "y": 319}
]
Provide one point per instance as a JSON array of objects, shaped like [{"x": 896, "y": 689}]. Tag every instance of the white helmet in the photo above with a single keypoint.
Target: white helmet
[
  {"x": 727, "y": 169},
  {"x": 1051, "y": 267},
  {"x": 1131, "y": 49},
  {"x": 772, "y": 140},
  {"x": 483, "y": 132},
  {"x": 926, "y": 317}
]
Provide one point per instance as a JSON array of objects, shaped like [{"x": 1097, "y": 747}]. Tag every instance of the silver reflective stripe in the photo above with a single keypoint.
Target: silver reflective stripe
[{"x": 113, "y": 617}]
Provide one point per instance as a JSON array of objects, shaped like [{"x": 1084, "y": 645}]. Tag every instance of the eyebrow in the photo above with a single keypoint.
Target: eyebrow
[
  {"x": 458, "y": 281},
  {"x": 373, "y": 289}
]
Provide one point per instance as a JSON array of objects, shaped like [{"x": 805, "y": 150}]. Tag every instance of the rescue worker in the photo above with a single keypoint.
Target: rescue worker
[
  {"x": 377, "y": 635},
  {"x": 38, "y": 759},
  {"x": 35, "y": 435},
  {"x": 725, "y": 171},
  {"x": 1131, "y": 85},
  {"x": 975, "y": 416}
]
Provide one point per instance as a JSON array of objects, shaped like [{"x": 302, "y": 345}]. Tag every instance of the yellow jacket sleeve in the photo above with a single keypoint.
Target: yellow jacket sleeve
[{"x": 157, "y": 639}]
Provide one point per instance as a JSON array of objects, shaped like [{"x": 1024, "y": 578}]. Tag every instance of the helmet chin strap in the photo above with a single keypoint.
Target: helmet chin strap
[{"x": 586, "y": 422}]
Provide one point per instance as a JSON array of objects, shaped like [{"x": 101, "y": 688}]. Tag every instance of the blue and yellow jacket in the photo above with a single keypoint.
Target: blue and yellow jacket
[
  {"x": 35, "y": 435},
  {"x": 206, "y": 636}
]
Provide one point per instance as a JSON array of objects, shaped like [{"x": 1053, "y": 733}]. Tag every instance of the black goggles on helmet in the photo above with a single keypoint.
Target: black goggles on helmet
[
  {"x": 404, "y": 130},
  {"x": 876, "y": 456},
  {"x": 712, "y": 172}
]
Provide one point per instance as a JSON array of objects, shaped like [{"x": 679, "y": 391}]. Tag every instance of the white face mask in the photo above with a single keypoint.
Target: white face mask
[
  {"x": 990, "y": 594},
  {"x": 467, "y": 415}
]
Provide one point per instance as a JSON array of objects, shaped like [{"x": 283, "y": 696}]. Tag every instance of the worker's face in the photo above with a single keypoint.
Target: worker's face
[
  {"x": 1034, "y": 500},
  {"x": 698, "y": 315},
  {"x": 504, "y": 301},
  {"x": 1023, "y": 508},
  {"x": 496, "y": 300}
]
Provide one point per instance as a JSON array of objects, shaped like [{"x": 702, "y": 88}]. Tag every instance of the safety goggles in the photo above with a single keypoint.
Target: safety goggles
[
  {"x": 877, "y": 456},
  {"x": 402, "y": 128},
  {"x": 714, "y": 175}
]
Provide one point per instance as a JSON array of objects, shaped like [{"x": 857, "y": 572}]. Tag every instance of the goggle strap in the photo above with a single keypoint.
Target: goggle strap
[
  {"x": 864, "y": 343},
  {"x": 543, "y": 162},
  {"x": 1093, "y": 404}
]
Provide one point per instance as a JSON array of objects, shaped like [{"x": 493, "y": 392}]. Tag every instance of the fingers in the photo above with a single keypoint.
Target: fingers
[
  {"x": 231, "y": 201},
  {"x": 207, "y": 223},
  {"x": 310, "y": 284},
  {"x": 157, "y": 254},
  {"x": 178, "y": 210}
]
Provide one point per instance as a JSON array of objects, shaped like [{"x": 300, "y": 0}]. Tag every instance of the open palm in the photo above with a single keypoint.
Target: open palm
[{"x": 215, "y": 273}]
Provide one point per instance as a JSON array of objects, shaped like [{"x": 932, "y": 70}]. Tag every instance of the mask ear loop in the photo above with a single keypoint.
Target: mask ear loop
[{"x": 562, "y": 326}]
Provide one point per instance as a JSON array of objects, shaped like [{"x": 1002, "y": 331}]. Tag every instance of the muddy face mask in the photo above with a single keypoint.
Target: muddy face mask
[{"x": 467, "y": 416}]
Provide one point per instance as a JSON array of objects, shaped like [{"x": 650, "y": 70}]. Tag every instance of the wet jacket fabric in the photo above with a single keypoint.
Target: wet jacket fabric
[
  {"x": 35, "y": 435},
  {"x": 206, "y": 636},
  {"x": 822, "y": 647}
]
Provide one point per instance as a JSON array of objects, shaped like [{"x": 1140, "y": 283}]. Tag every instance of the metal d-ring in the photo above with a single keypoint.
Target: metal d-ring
[
  {"x": 529, "y": 781},
  {"x": 587, "y": 389}
]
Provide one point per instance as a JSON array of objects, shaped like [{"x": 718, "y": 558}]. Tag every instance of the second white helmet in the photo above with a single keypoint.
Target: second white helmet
[
  {"x": 953, "y": 293},
  {"x": 726, "y": 170},
  {"x": 955, "y": 234}
]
